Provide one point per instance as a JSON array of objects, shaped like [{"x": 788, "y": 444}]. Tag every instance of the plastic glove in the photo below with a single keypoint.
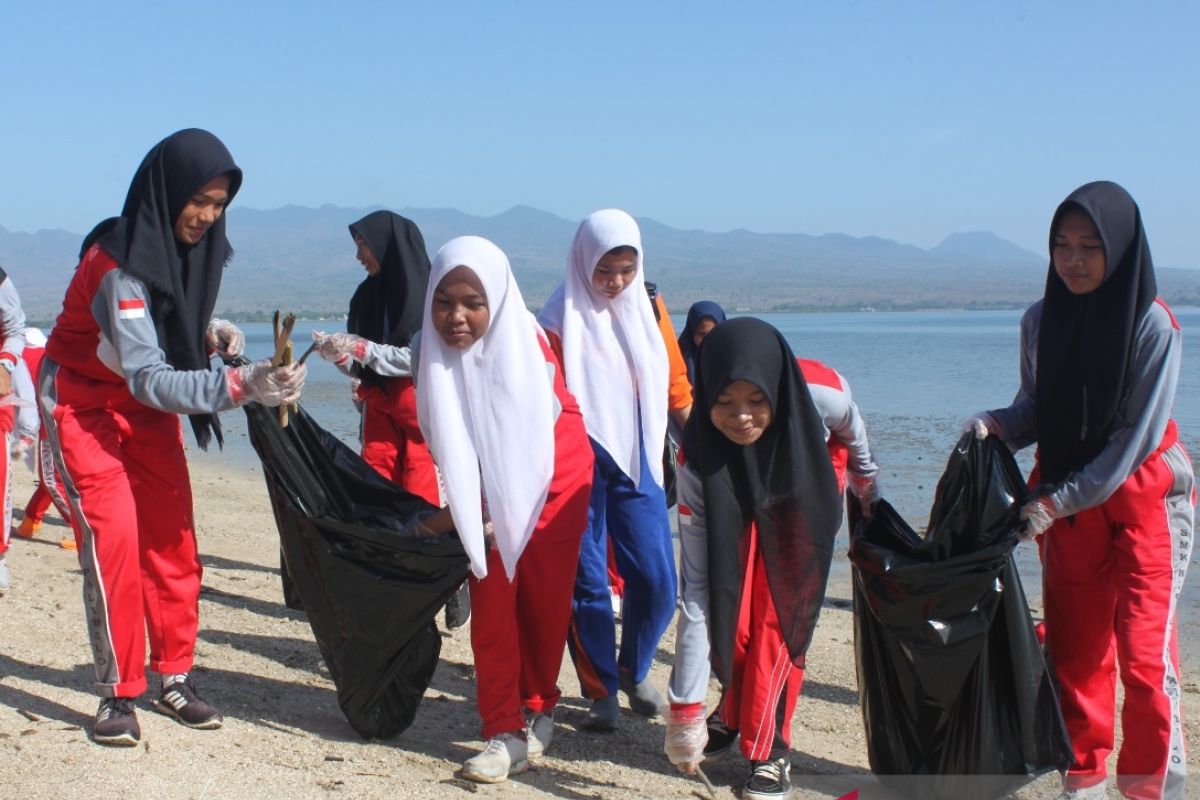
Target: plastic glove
[
  {"x": 687, "y": 734},
  {"x": 340, "y": 347},
  {"x": 24, "y": 448},
  {"x": 866, "y": 489},
  {"x": 259, "y": 382},
  {"x": 982, "y": 424},
  {"x": 226, "y": 338},
  {"x": 1038, "y": 515}
]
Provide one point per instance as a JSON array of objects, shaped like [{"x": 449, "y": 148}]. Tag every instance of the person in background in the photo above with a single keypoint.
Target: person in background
[
  {"x": 385, "y": 314},
  {"x": 513, "y": 453},
  {"x": 616, "y": 364},
  {"x": 33, "y": 443},
  {"x": 12, "y": 344},
  {"x": 759, "y": 509},
  {"x": 128, "y": 353},
  {"x": 1113, "y": 491},
  {"x": 702, "y": 317}
]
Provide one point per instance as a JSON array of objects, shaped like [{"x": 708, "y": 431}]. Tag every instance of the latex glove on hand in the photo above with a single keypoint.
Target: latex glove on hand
[
  {"x": 226, "y": 338},
  {"x": 259, "y": 382},
  {"x": 1038, "y": 516},
  {"x": 23, "y": 447},
  {"x": 417, "y": 529},
  {"x": 339, "y": 348},
  {"x": 687, "y": 734},
  {"x": 982, "y": 424},
  {"x": 866, "y": 489}
]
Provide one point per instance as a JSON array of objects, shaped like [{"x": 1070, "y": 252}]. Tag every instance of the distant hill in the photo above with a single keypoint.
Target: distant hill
[{"x": 302, "y": 259}]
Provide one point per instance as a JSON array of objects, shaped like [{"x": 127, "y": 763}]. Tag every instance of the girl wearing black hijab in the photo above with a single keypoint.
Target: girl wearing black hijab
[
  {"x": 385, "y": 313},
  {"x": 128, "y": 354},
  {"x": 702, "y": 317},
  {"x": 758, "y": 512},
  {"x": 1115, "y": 491}
]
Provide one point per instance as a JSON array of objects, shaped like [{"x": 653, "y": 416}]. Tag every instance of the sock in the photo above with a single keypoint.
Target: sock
[{"x": 167, "y": 680}]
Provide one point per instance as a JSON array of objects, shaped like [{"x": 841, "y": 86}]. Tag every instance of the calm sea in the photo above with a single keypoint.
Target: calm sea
[{"x": 916, "y": 376}]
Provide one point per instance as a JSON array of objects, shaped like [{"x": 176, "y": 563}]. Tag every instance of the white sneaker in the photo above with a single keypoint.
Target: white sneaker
[
  {"x": 1097, "y": 792},
  {"x": 5, "y": 579},
  {"x": 539, "y": 733},
  {"x": 506, "y": 754}
]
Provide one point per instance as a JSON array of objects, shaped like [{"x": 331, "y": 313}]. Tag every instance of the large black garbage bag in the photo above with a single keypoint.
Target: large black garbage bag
[
  {"x": 370, "y": 594},
  {"x": 956, "y": 695}
]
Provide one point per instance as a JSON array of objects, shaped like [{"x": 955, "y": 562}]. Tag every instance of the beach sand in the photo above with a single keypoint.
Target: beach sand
[{"x": 284, "y": 735}]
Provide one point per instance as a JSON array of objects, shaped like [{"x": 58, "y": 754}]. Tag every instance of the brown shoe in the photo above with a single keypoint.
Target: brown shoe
[
  {"x": 116, "y": 723},
  {"x": 179, "y": 700}
]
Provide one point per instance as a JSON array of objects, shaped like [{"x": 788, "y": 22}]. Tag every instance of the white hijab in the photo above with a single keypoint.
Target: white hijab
[
  {"x": 614, "y": 358},
  {"x": 487, "y": 412}
]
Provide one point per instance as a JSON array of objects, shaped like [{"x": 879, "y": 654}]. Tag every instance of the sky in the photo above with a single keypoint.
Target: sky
[{"x": 906, "y": 120}]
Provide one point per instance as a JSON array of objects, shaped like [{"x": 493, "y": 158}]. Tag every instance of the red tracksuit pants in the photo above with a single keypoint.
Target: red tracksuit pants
[
  {"x": 1112, "y": 577},
  {"x": 392, "y": 440},
  {"x": 126, "y": 479},
  {"x": 49, "y": 488},
  {"x": 519, "y": 628},
  {"x": 761, "y": 698},
  {"x": 6, "y": 468}
]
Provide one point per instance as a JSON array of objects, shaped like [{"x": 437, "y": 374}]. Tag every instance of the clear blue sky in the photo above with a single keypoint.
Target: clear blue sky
[{"x": 909, "y": 120}]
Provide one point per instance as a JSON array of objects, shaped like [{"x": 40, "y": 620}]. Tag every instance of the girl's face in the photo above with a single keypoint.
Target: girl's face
[
  {"x": 614, "y": 271},
  {"x": 741, "y": 412},
  {"x": 202, "y": 210},
  {"x": 1078, "y": 253},
  {"x": 703, "y": 329},
  {"x": 460, "y": 308},
  {"x": 366, "y": 257}
]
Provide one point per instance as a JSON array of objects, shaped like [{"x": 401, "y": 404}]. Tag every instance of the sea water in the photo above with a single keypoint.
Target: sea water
[{"x": 916, "y": 377}]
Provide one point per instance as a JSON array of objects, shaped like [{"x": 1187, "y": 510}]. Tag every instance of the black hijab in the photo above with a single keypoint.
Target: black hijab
[
  {"x": 704, "y": 309},
  {"x": 784, "y": 482},
  {"x": 183, "y": 280},
  {"x": 388, "y": 307},
  {"x": 1085, "y": 342}
]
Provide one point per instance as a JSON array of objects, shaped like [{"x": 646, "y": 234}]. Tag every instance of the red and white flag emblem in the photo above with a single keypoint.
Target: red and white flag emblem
[{"x": 131, "y": 309}]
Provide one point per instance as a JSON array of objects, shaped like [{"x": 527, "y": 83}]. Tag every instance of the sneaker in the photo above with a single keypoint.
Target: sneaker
[
  {"x": 720, "y": 738},
  {"x": 644, "y": 699},
  {"x": 179, "y": 700},
  {"x": 506, "y": 754},
  {"x": 116, "y": 723},
  {"x": 769, "y": 780},
  {"x": 539, "y": 734},
  {"x": 1097, "y": 792},
  {"x": 67, "y": 543},
  {"x": 458, "y": 608},
  {"x": 5, "y": 578},
  {"x": 28, "y": 527},
  {"x": 603, "y": 714}
]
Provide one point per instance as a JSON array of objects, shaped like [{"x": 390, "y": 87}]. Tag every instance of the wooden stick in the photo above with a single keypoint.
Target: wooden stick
[
  {"x": 287, "y": 359},
  {"x": 281, "y": 339}
]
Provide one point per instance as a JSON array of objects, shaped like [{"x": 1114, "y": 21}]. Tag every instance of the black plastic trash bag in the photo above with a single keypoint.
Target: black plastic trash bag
[
  {"x": 370, "y": 594},
  {"x": 956, "y": 695}
]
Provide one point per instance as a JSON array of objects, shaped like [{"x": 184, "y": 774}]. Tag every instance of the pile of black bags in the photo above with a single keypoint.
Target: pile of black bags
[{"x": 956, "y": 696}]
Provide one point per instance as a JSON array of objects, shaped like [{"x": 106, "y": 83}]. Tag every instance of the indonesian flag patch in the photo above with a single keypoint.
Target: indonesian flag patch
[{"x": 131, "y": 309}]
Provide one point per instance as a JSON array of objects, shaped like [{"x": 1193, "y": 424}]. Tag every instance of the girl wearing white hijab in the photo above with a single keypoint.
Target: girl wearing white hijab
[
  {"x": 512, "y": 449},
  {"x": 616, "y": 365}
]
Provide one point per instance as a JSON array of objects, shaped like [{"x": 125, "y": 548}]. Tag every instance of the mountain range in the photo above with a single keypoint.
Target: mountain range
[{"x": 302, "y": 259}]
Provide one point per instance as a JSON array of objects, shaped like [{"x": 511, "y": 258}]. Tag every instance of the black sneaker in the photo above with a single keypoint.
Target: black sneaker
[
  {"x": 458, "y": 608},
  {"x": 179, "y": 700},
  {"x": 720, "y": 738},
  {"x": 769, "y": 780},
  {"x": 116, "y": 723}
]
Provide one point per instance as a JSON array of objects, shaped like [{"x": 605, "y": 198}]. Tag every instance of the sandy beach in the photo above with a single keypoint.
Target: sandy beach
[{"x": 284, "y": 736}]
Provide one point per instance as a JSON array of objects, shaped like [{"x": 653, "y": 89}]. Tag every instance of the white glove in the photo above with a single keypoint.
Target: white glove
[
  {"x": 259, "y": 382},
  {"x": 982, "y": 424},
  {"x": 23, "y": 447},
  {"x": 340, "y": 347},
  {"x": 226, "y": 338},
  {"x": 1038, "y": 515},
  {"x": 687, "y": 734},
  {"x": 866, "y": 489}
]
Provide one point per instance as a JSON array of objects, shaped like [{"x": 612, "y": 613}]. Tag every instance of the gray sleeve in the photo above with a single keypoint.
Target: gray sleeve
[
  {"x": 12, "y": 321},
  {"x": 689, "y": 676},
  {"x": 1018, "y": 421},
  {"x": 390, "y": 361},
  {"x": 843, "y": 420},
  {"x": 1153, "y": 376},
  {"x": 129, "y": 347}
]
